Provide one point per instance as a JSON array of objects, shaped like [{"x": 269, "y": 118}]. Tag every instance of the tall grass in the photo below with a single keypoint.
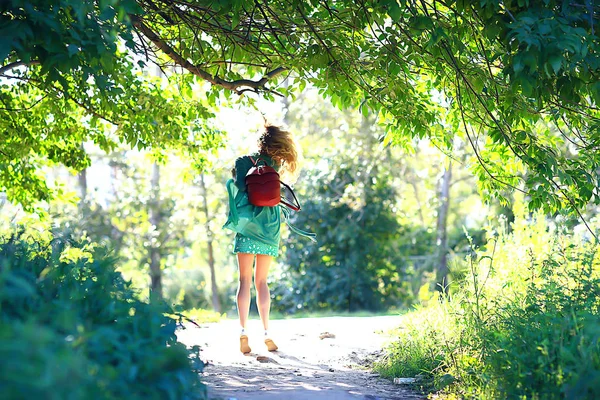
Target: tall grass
[{"x": 524, "y": 322}]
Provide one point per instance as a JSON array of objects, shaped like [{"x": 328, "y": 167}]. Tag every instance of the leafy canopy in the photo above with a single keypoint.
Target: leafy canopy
[
  {"x": 68, "y": 79},
  {"x": 517, "y": 79}
]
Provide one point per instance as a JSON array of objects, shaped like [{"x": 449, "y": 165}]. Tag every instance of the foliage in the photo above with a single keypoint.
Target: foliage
[
  {"x": 489, "y": 71},
  {"x": 62, "y": 303},
  {"x": 515, "y": 79},
  {"x": 374, "y": 210},
  {"x": 116, "y": 212},
  {"x": 523, "y": 324},
  {"x": 66, "y": 81},
  {"x": 354, "y": 265}
]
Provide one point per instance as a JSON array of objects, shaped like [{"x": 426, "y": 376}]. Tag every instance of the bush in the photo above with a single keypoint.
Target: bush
[
  {"x": 72, "y": 328},
  {"x": 356, "y": 264},
  {"x": 525, "y": 323}
]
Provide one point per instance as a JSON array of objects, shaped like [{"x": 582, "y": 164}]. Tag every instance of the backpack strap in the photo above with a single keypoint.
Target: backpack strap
[{"x": 293, "y": 206}]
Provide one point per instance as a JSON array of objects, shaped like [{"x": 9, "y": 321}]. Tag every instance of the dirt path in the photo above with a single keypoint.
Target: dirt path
[{"x": 305, "y": 367}]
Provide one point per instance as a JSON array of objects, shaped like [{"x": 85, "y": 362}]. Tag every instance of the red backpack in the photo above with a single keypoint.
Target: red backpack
[{"x": 264, "y": 187}]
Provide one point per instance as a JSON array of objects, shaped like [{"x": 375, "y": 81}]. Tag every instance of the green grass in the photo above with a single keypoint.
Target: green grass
[{"x": 202, "y": 316}]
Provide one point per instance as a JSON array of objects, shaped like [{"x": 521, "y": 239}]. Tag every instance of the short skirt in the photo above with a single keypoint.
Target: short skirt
[{"x": 243, "y": 244}]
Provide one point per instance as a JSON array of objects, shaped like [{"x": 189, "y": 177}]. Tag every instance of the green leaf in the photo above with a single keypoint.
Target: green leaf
[
  {"x": 72, "y": 49},
  {"x": 394, "y": 11},
  {"x": 235, "y": 20},
  {"x": 556, "y": 62},
  {"x": 477, "y": 83},
  {"x": 518, "y": 63},
  {"x": 530, "y": 60}
]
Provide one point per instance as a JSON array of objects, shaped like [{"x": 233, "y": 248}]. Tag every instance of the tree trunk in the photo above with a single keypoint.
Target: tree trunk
[
  {"x": 209, "y": 244},
  {"x": 415, "y": 187},
  {"x": 154, "y": 211},
  {"x": 442, "y": 230},
  {"x": 82, "y": 183}
]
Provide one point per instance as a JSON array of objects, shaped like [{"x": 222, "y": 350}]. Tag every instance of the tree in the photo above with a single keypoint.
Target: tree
[
  {"x": 492, "y": 70},
  {"x": 500, "y": 66},
  {"x": 209, "y": 246},
  {"x": 442, "y": 229},
  {"x": 155, "y": 218},
  {"x": 355, "y": 264},
  {"x": 67, "y": 79},
  {"x": 350, "y": 200}
]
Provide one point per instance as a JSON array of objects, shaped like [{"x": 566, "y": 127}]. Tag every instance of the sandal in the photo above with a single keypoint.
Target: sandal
[
  {"x": 244, "y": 348},
  {"x": 271, "y": 346}
]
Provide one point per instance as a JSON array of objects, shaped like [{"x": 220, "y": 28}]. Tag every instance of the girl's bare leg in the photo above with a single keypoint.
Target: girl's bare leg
[
  {"x": 245, "y": 262},
  {"x": 263, "y": 297}
]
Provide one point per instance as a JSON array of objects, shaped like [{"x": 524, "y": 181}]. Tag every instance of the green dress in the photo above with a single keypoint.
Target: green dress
[{"x": 258, "y": 229}]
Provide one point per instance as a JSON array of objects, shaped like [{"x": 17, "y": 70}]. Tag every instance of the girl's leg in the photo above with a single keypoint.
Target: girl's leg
[
  {"x": 245, "y": 262},
  {"x": 263, "y": 297}
]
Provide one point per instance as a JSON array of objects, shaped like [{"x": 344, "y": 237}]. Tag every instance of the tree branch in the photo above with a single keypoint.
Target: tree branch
[
  {"x": 24, "y": 108},
  {"x": 213, "y": 79},
  {"x": 16, "y": 64},
  {"x": 56, "y": 91}
]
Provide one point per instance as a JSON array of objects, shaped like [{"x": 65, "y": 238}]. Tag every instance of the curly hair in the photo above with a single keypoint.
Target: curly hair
[{"x": 280, "y": 145}]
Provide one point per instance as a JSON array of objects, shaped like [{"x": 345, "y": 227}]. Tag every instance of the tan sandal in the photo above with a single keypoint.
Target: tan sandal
[
  {"x": 244, "y": 348},
  {"x": 271, "y": 346}
]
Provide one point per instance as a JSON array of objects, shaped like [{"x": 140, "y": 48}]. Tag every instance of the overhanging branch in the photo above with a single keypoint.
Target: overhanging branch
[
  {"x": 16, "y": 64},
  {"x": 139, "y": 24}
]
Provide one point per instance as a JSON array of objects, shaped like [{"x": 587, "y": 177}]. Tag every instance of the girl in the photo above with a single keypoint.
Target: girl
[{"x": 258, "y": 228}]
